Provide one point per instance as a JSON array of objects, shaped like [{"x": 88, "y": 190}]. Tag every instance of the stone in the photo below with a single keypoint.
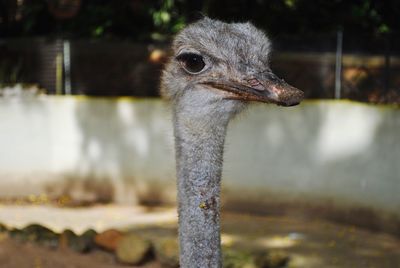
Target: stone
[
  {"x": 167, "y": 251},
  {"x": 40, "y": 235},
  {"x": 3, "y": 228},
  {"x": 133, "y": 249},
  {"x": 271, "y": 259},
  {"x": 87, "y": 240},
  {"x": 66, "y": 238},
  {"x": 108, "y": 239},
  {"x": 18, "y": 235},
  {"x": 233, "y": 258},
  {"x": 82, "y": 244},
  {"x": 254, "y": 258}
]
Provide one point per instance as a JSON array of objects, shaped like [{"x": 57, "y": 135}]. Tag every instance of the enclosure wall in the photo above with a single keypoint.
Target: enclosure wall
[{"x": 122, "y": 149}]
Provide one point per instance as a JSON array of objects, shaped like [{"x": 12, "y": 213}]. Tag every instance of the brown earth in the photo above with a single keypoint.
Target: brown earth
[
  {"x": 308, "y": 243},
  {"x": 15, "y": 254}
]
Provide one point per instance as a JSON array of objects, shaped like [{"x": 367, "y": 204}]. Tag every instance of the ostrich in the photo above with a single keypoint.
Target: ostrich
[{"x": 215, "y": 70}]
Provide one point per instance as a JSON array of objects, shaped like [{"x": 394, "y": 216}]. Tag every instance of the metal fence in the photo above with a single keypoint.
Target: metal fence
[{"x": 360, "y": 67}]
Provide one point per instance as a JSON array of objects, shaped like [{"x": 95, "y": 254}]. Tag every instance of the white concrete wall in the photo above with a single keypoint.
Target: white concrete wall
[{"x": 343, "y": 151}]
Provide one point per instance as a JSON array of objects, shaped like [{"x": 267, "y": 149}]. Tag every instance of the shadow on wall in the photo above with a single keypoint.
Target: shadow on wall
[
  {"x": 121, "y": 141},
  {"x": 335, "y": 161},
  {"x": 339, "y": 151},
  {"x": 75, "y": 190}
]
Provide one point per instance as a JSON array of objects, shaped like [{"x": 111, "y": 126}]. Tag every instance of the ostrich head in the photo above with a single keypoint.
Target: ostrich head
[{"x": 218, "y": 67}]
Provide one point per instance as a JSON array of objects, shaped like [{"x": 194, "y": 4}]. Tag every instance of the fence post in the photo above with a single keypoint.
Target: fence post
[
  {"x": 387, "y": 64},
  {"x": 338, "y": 67},
  {"x": 59, "y": 73},
  {"x": 67, "y": 67}
]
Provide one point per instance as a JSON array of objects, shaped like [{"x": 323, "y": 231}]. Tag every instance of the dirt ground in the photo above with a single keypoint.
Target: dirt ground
[
  {"x": 315, "y": 243},
  {"x": 308, "y": 243},
  {"x": 20, "y": 255}
]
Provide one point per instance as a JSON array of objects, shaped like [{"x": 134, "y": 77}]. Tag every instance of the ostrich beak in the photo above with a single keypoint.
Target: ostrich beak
[{"x": 265, "y": 88}]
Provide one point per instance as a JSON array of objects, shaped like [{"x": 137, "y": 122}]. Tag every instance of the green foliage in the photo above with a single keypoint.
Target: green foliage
[
  {"x": 290, "y": 3},
  {"x": 167, "y": 19},
  {"x": 158, "y": 19}
]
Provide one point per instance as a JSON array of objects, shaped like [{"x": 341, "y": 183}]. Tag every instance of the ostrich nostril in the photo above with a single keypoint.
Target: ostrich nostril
[{"x": 255, "y": 83}]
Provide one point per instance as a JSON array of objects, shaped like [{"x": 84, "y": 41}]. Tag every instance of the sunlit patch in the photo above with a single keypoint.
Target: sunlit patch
[
  {"x": 280, "y": 241},
  {"x": 297, "y": 260},
  {"x": 79, "y": 220},
  {"x": 228, "y": 239},
  {"x": 140, "y": 139},
  {"x": 346, "y": 132},
  {"x": 126, "y": 112},
  {"x": 41, "y": 199},
  {"x": 94, "y": 150}
]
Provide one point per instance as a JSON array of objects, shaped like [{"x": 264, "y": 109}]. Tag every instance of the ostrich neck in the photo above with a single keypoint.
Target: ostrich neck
[{"x": 199, "y": 151}]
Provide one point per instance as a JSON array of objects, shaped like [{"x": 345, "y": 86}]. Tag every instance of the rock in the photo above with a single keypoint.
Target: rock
[
  {"x": 3, "y": 228},
  {"x": 272, "y": 259},
  {"x": 85, "y": 242},
  {"x": 18, "y": 235},
  {"x": 233, "y": 258},
  {"x": 66, "y": 238},
  {"x": 108, "y": 239},
  {"x": 254, "y": 258},
  {"x": 36, "y": 233},
  {"x": 82, "y": 244},
  {"x": 37, "y": 229},
  {"x": 41, "y": 235},
  {"x": 167, "y": 251},
  {"x": 46, "y": 237},
  {"x": 3, "y": 232},
  {"x": 133, "y": 249}
]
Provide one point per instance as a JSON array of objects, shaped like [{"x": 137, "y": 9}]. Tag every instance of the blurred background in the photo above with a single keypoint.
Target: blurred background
[
  {"x": 87, "y": 157},
  {"x": 116, "y": 48}
]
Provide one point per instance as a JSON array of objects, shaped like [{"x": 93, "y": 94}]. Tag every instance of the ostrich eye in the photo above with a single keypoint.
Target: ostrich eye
[{"x": 191, "y": 62}]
